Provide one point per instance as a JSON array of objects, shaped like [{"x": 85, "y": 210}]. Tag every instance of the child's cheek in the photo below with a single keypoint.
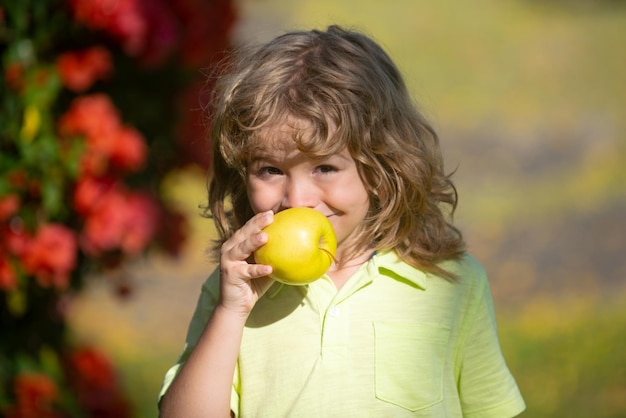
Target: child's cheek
[{"x": 263, "y": 197}]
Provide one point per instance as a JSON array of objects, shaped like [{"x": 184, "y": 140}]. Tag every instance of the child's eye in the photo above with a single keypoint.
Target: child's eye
[
  {"x": 325, "y": 168},
  {"x": 269, "y": 171}
]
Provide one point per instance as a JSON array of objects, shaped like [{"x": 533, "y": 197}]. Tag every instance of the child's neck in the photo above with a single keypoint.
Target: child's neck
[{"x": 339, "y": 273}]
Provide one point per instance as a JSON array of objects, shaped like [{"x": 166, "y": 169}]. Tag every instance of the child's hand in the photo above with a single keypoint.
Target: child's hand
[{"x": 243, "y": 282}]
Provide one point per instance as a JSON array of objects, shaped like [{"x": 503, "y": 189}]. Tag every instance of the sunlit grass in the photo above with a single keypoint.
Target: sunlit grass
[{"x": 568, "y": 356}]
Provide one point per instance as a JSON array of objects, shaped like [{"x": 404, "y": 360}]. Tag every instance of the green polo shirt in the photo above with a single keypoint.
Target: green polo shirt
[{"x": 392, "y": 342}]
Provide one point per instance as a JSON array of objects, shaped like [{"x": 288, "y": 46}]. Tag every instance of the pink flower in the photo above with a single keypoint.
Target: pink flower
[
  {"x": 162, "y": 34},
  {"x": 80, "y": 69},
  {"x": 50, "y": 255}
]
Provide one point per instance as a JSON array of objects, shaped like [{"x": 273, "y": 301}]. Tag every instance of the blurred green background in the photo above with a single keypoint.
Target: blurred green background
[{"x": 529, "y": 99}]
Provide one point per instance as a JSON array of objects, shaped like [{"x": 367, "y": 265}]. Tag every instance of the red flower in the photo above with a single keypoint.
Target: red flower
[
  {"x": 94, "y": 380},
  {"x": 128, "y": 149},
  {"x": 35, "y": 395},
  {"x": 141, "y": 220},
  {"x": 89, "y": 191},
  {"x": 92, "y": 368},
  {"x": 96, "y": 118},
  {"x": 41, "y": 77},
  {"x": 109, "y": 144},
  {"x": 8, "y": 280},
  {"x": 15, "y": 238},
  {"x": 80, "y": 69},
  {"x": 117, "y": 220},
  {"x": 172, "y": 232},
  {"x": 121, "y": 19},
  {"x": 95, "y": 159},
  {"x": 14, "y": 76},
  {"x": 51, "y": 255},
  {"x": 206, "y": 29},
  {"x": 93, "y": 115},
  {"x": 105, "y": 224},
  {"x": 9, "y": 205},
  {"x": 191, "y": 129}
]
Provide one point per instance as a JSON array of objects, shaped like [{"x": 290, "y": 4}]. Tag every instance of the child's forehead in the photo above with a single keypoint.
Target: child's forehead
[
  {"x": 271, "y": 145},
  {"x": 286, "y": 128},
  {"x": 285, "y": 134},
  {"x": 289, "y": 151}
]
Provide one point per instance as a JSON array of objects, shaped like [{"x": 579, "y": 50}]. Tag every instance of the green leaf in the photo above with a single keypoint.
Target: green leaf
[
  {"x": 52, "y": 188},
  {"x": 42, "y": 86},
  {"x": 26, "y": 364},
  {"x": 16, "y": 302},
  {"x": 71, "y": 156},
  {"x": 48, "y": 151},
  {"x": 17, "y": 12},
  {"x": 50, "y": 363}
]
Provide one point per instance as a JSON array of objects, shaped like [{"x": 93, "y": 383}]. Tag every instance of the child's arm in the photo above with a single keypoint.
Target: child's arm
[{"x": 203, "y": 386}]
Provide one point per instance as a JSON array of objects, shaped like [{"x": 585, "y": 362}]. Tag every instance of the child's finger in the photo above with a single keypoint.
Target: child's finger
[
  {"x": 248, "y": 238},
  {"x": 244, "y": 249},
  {"x": 259, "y": 270}
]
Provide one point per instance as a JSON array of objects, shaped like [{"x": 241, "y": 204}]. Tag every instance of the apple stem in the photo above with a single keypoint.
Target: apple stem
[{"x": 330, "y": 255}]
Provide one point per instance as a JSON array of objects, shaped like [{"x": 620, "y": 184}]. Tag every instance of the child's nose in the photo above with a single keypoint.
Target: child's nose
[{"x": 300, "y": 193}]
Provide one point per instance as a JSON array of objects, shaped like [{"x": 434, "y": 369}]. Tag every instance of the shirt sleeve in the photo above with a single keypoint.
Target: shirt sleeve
[
  {"x": 206, "y": 304},
  {"x": 486, "y": 387}
]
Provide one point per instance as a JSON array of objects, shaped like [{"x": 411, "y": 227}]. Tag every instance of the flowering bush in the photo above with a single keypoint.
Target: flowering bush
[{"x": 96, "y": 108}]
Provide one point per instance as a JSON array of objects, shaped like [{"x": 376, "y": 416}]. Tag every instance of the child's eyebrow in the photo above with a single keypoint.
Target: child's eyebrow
[
  {"x": 261, "y": 157},
  {"x": 267, "y": 157},
  {"x": 344, "y": 155}
]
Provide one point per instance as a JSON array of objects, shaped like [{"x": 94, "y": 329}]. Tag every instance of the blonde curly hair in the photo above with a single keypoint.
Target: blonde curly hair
[{"x": 337, "y": 79}]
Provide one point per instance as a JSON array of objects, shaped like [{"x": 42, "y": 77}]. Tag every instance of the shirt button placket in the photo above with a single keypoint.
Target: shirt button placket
[{"x": 335, "y": 335}]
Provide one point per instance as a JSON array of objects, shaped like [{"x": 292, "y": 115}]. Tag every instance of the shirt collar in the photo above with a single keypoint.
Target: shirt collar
[
  {"x": 389, "y": 264},
  {"x": 386, "y": 263}
]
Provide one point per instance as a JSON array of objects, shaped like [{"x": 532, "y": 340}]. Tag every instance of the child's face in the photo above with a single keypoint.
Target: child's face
[{"x": 283, "y": 177}]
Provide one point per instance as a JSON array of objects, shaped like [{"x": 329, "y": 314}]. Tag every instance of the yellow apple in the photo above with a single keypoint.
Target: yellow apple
[{"x": 300, "y": 248}]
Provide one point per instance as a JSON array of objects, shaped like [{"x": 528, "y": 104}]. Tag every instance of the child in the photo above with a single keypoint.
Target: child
[{"x": 402, "y": 325}]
